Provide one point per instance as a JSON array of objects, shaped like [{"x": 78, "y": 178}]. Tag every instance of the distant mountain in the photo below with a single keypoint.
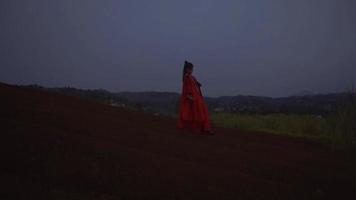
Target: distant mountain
[
  {"x": 311, "y": 104},
  {"x": 166, "y": 103},
  {"x": 100, "y": 95},
  {"x": 304, "y": 93}
]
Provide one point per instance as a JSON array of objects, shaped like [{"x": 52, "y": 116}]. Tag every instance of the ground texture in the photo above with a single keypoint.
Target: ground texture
[{"x": 59, "y": 147}]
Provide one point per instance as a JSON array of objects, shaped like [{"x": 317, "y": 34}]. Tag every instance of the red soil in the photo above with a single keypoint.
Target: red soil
[{"x": 60, "y": 147}]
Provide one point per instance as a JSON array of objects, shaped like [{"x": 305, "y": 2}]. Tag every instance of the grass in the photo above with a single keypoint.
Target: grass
[
  {"x": 338, "y": 129},
  {"x": 286, "y": 124},
  {"x": 343, "y": 123}
]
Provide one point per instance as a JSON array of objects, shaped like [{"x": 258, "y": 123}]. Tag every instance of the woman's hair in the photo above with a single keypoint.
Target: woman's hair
[{"x": 187, "y": 65}]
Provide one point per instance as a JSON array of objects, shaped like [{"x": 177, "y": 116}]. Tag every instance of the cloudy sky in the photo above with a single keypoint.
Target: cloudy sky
[{"x": 255, "y": 47}]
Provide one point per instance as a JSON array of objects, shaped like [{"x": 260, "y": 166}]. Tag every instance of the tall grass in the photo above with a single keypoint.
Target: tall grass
[
  {"x": 343, "y": 122},
  {"x": 285, "y": 124},
  {"x": 337, "y": 129}
]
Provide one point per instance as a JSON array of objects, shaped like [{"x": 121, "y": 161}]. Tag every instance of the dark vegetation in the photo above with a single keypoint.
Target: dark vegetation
[
  {"x": 166, "y": 102},
  {"x": 163, "y": 103}
]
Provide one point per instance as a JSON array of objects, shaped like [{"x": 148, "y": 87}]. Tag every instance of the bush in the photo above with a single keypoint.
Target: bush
[{"x": 343, "y": 122}]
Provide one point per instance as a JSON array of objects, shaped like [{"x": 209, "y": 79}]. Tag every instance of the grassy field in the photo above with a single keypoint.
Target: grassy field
[
  {"x": 338, "y": 129},
  {"x": 287, "y": 124}
]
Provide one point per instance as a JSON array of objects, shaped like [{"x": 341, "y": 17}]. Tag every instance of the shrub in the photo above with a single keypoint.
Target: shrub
[{"x": 343, "y": 122}]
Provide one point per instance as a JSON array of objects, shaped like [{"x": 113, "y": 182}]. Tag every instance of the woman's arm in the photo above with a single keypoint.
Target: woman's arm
[{"x": 199, "y": 84}]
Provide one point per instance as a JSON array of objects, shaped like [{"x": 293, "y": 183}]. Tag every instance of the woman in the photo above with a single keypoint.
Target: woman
[{"x": 193, "y": 112}]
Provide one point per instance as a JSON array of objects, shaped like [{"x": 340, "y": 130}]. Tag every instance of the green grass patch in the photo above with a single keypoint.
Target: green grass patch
[
  {"x": 285, "y": 124},
  {"x": 337, "y": 129}
]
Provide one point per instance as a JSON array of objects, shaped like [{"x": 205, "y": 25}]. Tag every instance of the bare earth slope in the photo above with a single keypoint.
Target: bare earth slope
[{"x": 59, "y": 147}]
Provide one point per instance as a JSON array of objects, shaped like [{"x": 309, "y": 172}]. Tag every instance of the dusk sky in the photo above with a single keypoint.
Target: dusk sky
[{"x": 250, "y": 47}]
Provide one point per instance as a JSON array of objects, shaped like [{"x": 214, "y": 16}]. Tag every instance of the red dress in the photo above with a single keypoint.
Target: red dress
[{"x": 192, "y": 114}]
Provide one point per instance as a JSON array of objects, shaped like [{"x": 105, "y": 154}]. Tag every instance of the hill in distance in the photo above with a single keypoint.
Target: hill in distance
[{"x": 166, "y": 103}]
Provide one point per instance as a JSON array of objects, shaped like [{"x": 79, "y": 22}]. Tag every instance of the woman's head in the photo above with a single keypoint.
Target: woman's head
[{"x": 188, "y": 68}]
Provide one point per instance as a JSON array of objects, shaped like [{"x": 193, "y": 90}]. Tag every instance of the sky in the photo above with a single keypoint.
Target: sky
[{"x": 248, "y": 47}]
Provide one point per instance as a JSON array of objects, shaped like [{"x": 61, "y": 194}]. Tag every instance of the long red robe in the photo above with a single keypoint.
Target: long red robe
[{"x": 193, "y": 114}]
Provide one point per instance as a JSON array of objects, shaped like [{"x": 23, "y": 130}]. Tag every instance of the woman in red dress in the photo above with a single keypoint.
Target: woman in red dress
[{"x": 193, "y": 112}]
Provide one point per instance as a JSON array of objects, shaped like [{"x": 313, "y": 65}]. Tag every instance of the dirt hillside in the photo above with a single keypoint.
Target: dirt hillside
[{"x": 60, "y": 147}]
